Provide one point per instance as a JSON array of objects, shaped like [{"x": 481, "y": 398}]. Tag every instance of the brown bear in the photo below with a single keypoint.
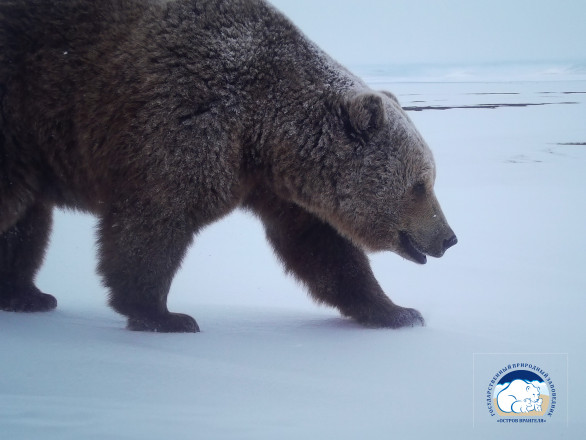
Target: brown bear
[{"x": 160, "y": 117}]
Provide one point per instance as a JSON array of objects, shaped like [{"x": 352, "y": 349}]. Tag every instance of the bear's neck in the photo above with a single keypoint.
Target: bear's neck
[{"x": 274, "y": 83}]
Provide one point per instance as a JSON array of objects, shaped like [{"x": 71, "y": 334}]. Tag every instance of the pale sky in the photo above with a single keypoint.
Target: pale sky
[{"x": 443, "y": 31}]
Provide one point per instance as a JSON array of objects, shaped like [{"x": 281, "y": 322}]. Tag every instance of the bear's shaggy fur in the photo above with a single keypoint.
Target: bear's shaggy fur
[{"x": 160, "y": 117}]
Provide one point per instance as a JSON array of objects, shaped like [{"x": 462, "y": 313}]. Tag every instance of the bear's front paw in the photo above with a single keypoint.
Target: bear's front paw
[
  {"x": 164, "y": 323},
  {"x": 392, "y": 317},
  {"x": 403, "y": 317}
]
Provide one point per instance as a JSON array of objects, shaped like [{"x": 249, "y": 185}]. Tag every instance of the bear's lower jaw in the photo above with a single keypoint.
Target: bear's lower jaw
[{"x": 410, "y": 250}]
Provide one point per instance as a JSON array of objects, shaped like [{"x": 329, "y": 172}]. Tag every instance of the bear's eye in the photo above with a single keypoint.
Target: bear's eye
[{"x": 419, "y": 189}]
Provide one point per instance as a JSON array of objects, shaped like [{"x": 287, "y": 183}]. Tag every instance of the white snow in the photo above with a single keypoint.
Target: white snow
[{"x": 269, "y": 364}]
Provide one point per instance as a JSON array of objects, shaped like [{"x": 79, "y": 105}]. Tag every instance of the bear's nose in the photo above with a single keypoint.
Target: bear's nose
[{"x": 449, "y": 242}]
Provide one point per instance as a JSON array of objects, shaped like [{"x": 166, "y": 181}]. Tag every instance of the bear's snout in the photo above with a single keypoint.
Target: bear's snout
[
  {"x": 429, "y": 233},
  {"x": 449, "y": 242},
  {"x": 436, "y": 246}
]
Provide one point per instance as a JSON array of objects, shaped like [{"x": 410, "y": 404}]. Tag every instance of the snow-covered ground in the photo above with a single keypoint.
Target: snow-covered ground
[{"x": 269, "y": 364}]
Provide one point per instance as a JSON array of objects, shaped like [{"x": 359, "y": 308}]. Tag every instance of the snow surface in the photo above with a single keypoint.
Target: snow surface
[{"x": 270, "y": 364}]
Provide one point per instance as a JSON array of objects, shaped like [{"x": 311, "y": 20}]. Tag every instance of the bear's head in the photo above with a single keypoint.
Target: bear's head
[
  {"x": 371, "y": 176},
  {"x": 532, "y": 392}
]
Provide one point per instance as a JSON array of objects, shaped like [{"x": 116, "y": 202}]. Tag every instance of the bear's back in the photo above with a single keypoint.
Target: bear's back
[{"x": 29, "y": 26}]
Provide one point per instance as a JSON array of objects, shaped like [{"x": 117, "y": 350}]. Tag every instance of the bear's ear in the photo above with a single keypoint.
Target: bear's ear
[
  {"x": 366, "y": 112},
  {"x": 390, "y": 95}
]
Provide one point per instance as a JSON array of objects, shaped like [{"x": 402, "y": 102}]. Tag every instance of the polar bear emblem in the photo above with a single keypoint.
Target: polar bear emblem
[{"x": 519, "y": 396}]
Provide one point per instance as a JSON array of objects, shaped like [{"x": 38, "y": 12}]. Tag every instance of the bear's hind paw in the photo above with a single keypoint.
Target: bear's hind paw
[{"x": 31, "y": 301}]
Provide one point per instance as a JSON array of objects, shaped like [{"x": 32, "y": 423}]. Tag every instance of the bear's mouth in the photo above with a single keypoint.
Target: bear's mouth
[{"x": 410, "y": 248}]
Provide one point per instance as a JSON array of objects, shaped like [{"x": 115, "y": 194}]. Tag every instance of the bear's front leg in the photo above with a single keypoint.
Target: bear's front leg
[
  {"x": 138, "y": 259},
  {"x": 335, "y": 271}
]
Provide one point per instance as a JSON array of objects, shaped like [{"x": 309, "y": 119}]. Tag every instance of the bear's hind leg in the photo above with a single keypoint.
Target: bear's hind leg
[
  {"x": 335, "y": 271},
  {"x": 22, "y": 249},
  {"x": 138, "y": 259}
]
